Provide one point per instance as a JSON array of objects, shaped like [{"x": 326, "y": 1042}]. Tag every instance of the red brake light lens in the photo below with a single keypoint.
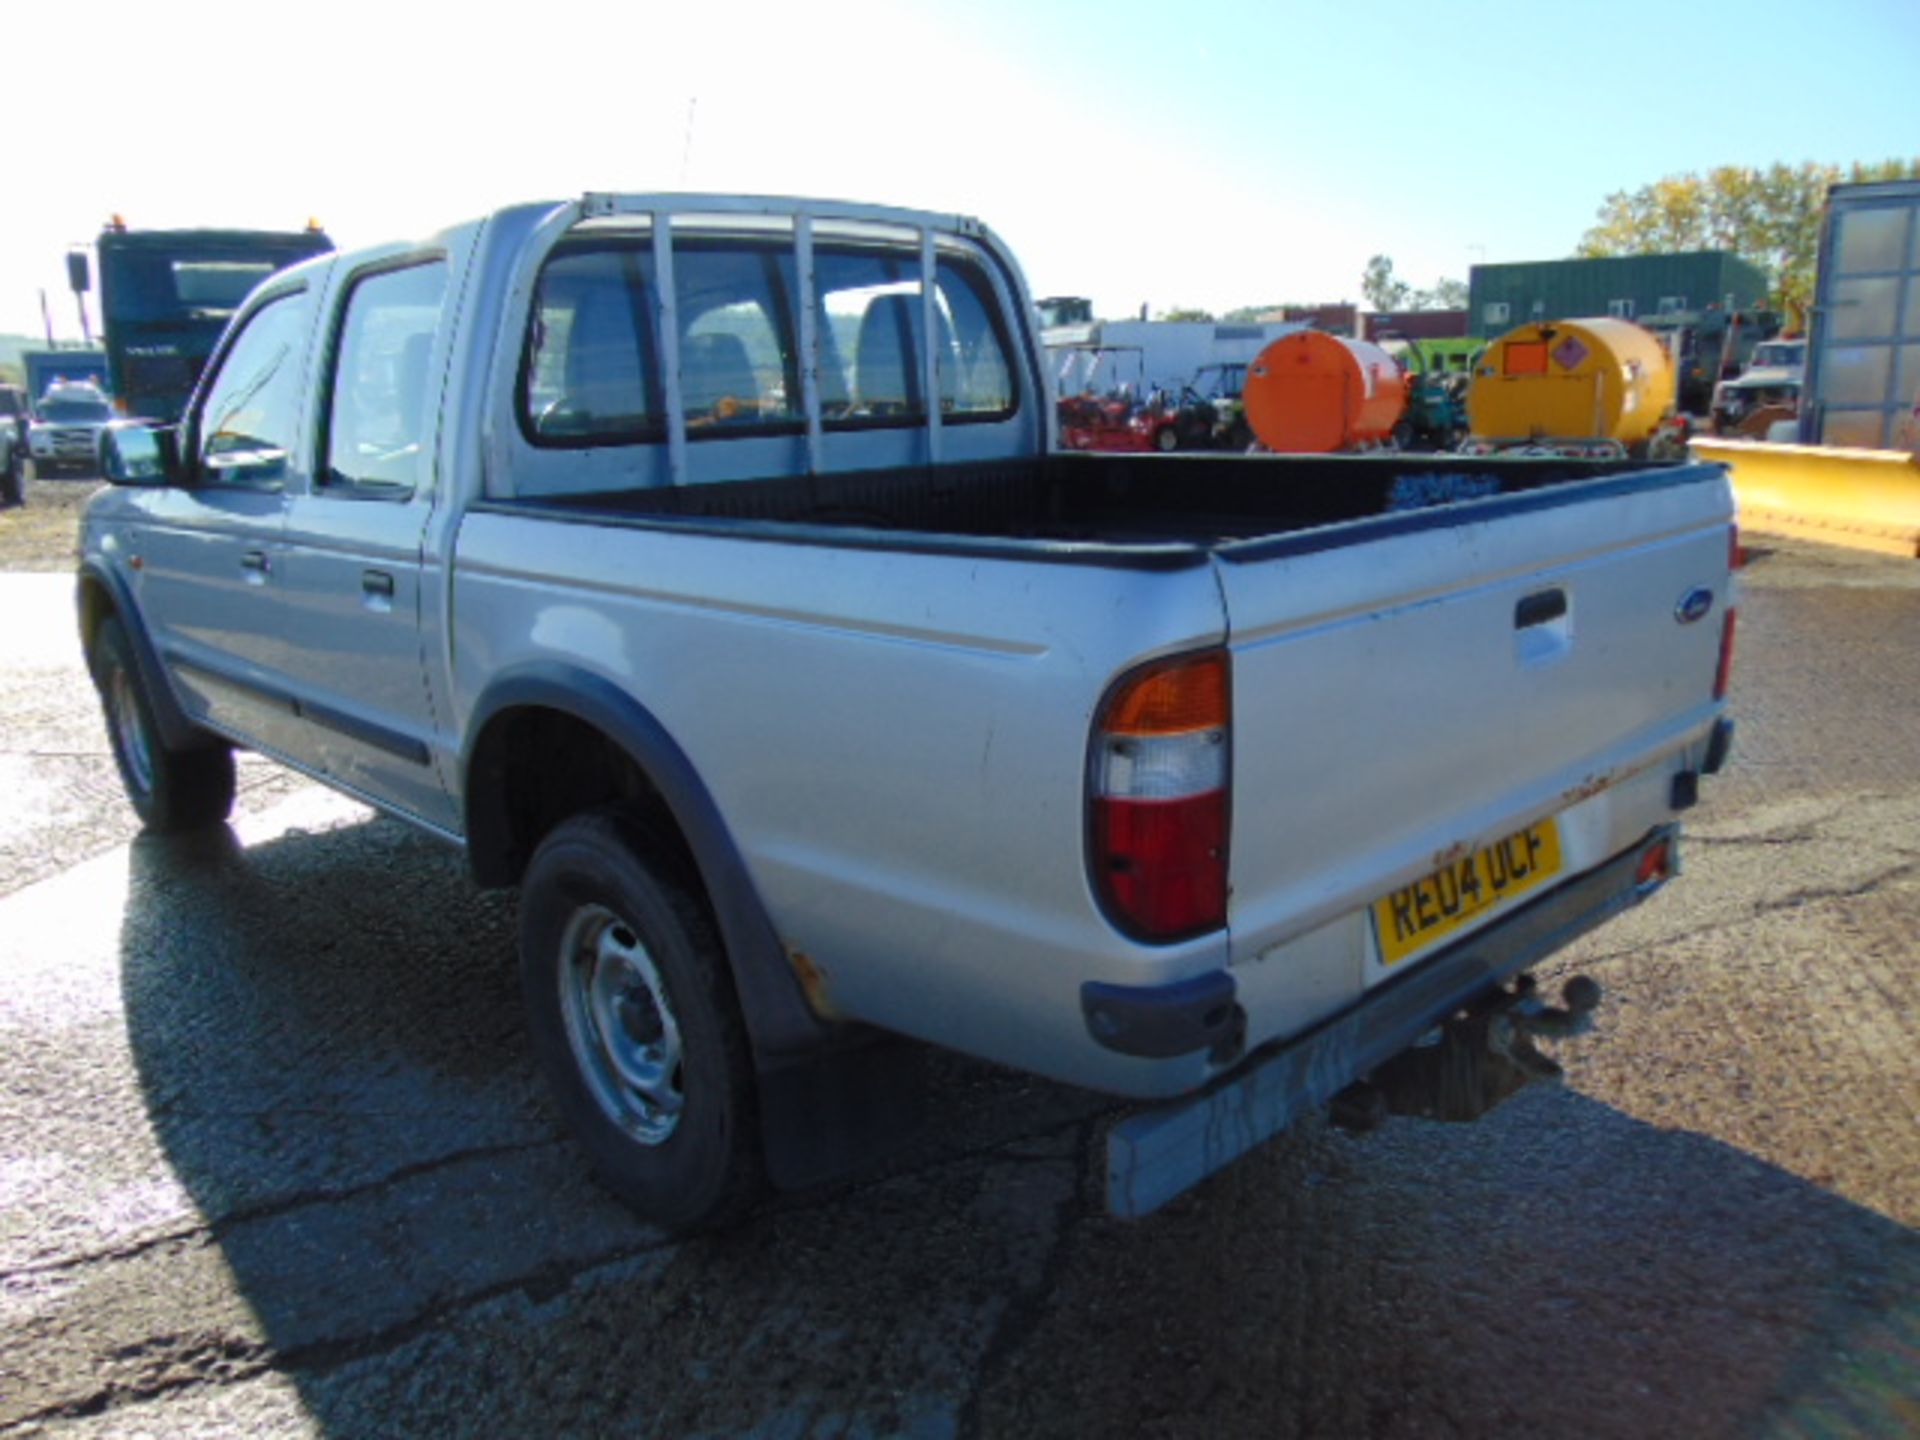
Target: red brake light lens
[
  {"x": 1655, "y": 863},
  {"x": 1725, "y": 671},
  {"x": 1157, "y": 799}
]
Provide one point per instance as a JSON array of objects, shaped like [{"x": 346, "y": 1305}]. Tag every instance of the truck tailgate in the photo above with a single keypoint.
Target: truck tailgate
[{"x": 1409, "y": 689}]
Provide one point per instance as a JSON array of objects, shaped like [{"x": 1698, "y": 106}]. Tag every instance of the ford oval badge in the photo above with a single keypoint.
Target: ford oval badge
[{"x": 1693, "y": 605}]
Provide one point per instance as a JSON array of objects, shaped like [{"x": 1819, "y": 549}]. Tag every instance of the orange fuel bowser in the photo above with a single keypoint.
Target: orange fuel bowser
[{"x": 1313, "y": 393}]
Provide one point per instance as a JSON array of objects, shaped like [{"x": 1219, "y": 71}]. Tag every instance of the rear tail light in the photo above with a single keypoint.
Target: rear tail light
[
  {"x": 1725, "y": 671},
  {"x": 1159, "y": 767},
  {"x": 1736, "y": 557},
  {"x": 1656, "y": 863}
]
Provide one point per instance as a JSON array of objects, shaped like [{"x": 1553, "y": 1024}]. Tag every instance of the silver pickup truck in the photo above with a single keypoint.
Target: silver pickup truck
[{"x": 705, "y": 567}]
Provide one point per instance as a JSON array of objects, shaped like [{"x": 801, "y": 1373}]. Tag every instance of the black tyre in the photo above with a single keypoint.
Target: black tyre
[
  {"x": 172, "y": 790},
  {"x": 1166, "y": 440},
  {"x": 632, "y": 1013}
]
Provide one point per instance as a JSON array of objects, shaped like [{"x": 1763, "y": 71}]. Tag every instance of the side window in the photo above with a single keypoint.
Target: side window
[
  {"x": 246, "y": 425},
  {"x": 379, "y": 419},
  {"x": 976, "y": 378},
  {"x": 737, "y": 365},
  {"x": 589, "y": 375}
]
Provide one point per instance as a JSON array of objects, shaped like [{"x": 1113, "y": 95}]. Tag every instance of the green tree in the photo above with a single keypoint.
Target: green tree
[
  {"x": 1178, "y": 313},
  {"x": 1385, "y": 291},
  {"x": 1770, "y": 216},
  {"x": 1251, "y": 314},
  {"x": 1382, "y": 289}
]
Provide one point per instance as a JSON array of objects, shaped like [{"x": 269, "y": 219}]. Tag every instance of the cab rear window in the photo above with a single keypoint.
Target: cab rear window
[{"x": 592, "y": 369}]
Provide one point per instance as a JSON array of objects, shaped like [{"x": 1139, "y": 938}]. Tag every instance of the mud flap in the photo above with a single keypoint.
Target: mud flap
[{"x": 835, "y": 1113}]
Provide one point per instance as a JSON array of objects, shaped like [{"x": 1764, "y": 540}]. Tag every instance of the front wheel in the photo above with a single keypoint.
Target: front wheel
[
  {"x": 171, "y": 790},
  {"x": 633, "y": 1018},
  {"x": 1166, "y": 440}
]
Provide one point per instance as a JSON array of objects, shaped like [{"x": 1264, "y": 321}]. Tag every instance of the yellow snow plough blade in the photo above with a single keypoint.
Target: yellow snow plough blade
[{"x": 1869, "y": 499}]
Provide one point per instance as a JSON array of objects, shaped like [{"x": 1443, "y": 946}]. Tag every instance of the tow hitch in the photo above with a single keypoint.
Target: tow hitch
[{"x": 1474, "y": 1060}]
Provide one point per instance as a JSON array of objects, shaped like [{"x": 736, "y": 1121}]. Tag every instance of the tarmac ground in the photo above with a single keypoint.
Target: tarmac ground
[{"x": 274, "y": 1160}]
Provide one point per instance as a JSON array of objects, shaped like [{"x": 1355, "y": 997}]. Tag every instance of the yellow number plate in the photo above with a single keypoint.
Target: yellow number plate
[{"x": 1447, "y": 901}]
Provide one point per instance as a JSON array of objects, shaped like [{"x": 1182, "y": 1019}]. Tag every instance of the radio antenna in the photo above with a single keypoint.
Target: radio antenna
[{"x": 686, "y": 148}]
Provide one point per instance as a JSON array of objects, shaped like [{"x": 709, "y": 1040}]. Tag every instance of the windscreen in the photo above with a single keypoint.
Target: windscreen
[
  {"x": 74, "y": 412},
  {"x": 205, "y": 281}
]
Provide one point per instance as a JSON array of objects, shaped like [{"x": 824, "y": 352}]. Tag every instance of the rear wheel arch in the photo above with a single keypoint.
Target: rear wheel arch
[{"x": 550, "y": 742}]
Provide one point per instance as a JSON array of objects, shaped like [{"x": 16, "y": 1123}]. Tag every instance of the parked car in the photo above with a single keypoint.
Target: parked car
[
  {"x": 1765, "y": 394},
  {"x": 13, "y": 443},
  {"x": 705, "y": 568},
  {"x": 64, "y": 435}
]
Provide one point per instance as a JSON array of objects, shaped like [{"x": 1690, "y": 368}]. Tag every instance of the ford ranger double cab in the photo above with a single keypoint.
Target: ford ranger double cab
[{"x": 706, "y": 567}]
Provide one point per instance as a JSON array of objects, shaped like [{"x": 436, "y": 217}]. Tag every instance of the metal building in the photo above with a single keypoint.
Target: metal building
[{"x": 1624, "y": 287}]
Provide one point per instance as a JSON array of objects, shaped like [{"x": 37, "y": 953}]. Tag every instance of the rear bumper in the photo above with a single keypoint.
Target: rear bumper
[{"x": 1155, "y": 1155}]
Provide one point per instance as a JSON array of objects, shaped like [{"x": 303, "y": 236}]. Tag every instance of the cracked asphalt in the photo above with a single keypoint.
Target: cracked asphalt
[{"x": 274, "y": 1162}]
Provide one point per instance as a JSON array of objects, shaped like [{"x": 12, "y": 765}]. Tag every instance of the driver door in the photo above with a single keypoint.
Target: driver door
[{"x": 209, "y": 551}]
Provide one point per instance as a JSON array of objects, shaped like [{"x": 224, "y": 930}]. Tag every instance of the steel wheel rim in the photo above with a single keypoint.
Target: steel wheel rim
[
  {"x": 621, "y": 1026},
  {"x": 128, "y": 730}
]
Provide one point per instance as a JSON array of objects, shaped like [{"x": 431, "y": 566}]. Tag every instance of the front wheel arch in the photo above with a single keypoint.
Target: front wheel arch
[
  {"x": 100, "y": 594},
  {"x": 170, "y": 789}
]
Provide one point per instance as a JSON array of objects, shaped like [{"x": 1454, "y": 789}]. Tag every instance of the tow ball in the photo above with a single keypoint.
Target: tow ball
[{"x": 1474, "y": 1060}]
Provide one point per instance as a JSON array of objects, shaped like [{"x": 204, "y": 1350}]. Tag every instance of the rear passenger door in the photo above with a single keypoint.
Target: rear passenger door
[{"x": 353, "y": 570}]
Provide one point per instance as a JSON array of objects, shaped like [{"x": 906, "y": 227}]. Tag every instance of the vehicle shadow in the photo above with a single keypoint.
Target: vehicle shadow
[{"x": 327, "y": 1038}]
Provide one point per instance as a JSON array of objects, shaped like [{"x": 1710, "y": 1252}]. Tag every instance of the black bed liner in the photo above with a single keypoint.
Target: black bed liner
[{"x": 1151, "y": 510}]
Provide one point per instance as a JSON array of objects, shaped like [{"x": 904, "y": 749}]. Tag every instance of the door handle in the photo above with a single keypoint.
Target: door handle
[
  {"x": 1538, "y": 609},
  {"x": 257, "y": 561},
  {"x": 377, "y": 582}
]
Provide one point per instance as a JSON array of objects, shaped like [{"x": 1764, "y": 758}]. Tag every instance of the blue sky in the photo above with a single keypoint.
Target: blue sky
[{"x": 1210, "y": 155}]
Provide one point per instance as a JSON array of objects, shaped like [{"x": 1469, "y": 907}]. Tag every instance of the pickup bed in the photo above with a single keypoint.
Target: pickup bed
[{"x": 616, "y": 543}]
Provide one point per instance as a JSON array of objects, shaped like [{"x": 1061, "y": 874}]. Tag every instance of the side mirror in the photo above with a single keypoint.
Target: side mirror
[{"x": 135, "y": 454}]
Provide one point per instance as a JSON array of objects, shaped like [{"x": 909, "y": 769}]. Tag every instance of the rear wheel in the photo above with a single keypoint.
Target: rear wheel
[
  {"x": 633, "y": 1018},
  {"x": 171, "y": 790},
  {"x": 1166, "y": 439}
]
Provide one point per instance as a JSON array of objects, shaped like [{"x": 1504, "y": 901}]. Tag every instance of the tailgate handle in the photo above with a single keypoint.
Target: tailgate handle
[{"x": 1540, "y": 608}]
